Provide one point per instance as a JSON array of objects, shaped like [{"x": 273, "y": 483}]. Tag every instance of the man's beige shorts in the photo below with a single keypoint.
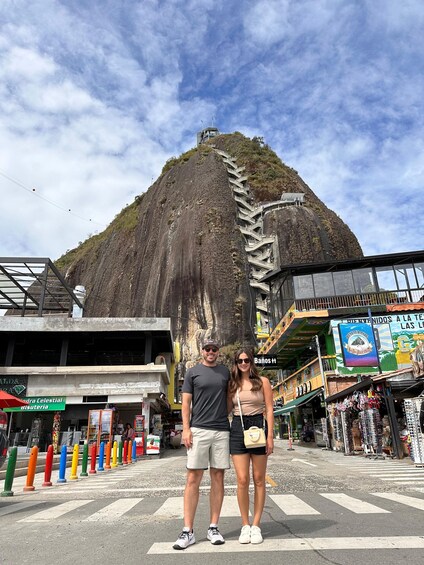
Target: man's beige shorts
[{"x": 210, "y": 449}]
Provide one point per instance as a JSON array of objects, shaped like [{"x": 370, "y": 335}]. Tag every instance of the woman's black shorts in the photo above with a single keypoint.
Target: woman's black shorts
[{"x": 237, "y": 446}]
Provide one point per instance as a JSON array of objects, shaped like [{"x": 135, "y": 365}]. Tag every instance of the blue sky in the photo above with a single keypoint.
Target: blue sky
[{"x": 96, "y": 95}]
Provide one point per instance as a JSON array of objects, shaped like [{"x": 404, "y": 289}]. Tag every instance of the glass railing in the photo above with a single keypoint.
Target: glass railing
[{"x": 355, "y": 300}]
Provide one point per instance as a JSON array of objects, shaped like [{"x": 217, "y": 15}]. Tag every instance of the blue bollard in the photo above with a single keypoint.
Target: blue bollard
[
  {"x": 101, "y": 456},
  {"x": 62, "y": 466},
  {"x": 134, "y": 452}
]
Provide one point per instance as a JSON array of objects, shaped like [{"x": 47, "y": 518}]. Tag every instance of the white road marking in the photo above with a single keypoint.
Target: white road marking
[
  {"x": 114, "y": 510},
  {"x": 305, "y": 462},
  {"x": 16, "y": 506},
  {"x": 402, "y": 498},
  {"x": 173, "y": 507},
  {"x": 297, "y": 544},
  {"x": 292, "y": 505},
  {"x": 56, "y": 511},
  {"x": 230, "y": 507},
  {"x": 353, "y": 504}
]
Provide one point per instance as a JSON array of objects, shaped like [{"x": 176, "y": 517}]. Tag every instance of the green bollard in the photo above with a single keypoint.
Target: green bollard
[
  {"x": 121, "y": 445},
  {"x": 84, "y": 461},
  {"x": 10, "y": 472}
]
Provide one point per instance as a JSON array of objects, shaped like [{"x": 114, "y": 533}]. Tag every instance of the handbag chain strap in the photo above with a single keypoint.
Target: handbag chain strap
[{"x": 241, "y": 413}]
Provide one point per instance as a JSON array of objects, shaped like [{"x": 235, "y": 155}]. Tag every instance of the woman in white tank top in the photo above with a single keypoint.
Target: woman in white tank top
[{"x": 256, "y": 401}]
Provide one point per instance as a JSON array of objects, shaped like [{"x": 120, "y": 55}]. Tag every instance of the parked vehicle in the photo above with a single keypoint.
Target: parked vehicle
[{"x": 4, "y": 442}]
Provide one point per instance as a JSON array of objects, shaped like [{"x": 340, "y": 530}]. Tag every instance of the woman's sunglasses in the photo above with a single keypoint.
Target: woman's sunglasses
[
  {"x": 209, "y": 349},
  {"x": 240, "y": 361}
]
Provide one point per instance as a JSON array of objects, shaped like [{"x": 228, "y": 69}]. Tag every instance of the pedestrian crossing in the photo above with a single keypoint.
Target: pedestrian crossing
[
  {"x": 317, "y": 504},
  {"x": 387, "y": 471}
]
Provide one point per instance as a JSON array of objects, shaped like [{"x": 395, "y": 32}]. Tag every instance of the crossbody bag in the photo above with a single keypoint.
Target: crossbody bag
[{"x": 253, "y": 436}]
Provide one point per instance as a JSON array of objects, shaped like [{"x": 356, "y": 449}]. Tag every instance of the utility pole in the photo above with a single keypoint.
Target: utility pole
[{"x": 325, "y": 389}]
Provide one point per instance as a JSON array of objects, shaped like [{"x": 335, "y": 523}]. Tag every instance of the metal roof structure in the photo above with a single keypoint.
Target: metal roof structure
[
  {"x": 340, "y": 265},
  {"x": 34, "y": 284}
]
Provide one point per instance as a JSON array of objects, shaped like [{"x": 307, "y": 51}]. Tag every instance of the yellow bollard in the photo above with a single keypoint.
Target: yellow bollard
[
  {"x": 74, "y": 476},
  {"x": 130, "y": 452},
  {"x": 115, "y": 455}
]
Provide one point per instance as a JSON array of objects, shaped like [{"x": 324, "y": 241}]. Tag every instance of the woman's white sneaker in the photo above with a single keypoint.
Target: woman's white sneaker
[
  {"x": 256, "y": 535},
  {"x": 245, "y": 535}
]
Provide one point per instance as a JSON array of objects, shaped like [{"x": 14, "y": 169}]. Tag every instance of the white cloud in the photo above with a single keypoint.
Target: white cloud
[{"x": 96, "y": 96}]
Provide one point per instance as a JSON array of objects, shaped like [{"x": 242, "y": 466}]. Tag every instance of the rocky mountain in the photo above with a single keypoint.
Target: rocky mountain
[{"x": 195, "y": 245}]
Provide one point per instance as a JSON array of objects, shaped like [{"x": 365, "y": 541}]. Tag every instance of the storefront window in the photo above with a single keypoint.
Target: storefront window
[
  {"x": 386, "y": 278},
  {"x": 303, "y": 286},
  {"x": 323, "y": 283},
  {"x": 363, "y": 280},
  {"x": 405, "y": 276},
  {"x": 419, "y": 273},
  {"x": 343, "y": 283}
]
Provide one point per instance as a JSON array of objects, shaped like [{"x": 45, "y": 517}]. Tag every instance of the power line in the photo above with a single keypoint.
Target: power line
[{"x": 35, "y": 193}]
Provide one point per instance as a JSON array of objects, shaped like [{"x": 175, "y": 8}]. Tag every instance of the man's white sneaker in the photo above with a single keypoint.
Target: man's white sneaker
[
  {"x": 256, "y": 535},
  {"x": 185, "y": 539},
  {"x": 245, "y": 535},
  {"x": 214, "y": 536}
]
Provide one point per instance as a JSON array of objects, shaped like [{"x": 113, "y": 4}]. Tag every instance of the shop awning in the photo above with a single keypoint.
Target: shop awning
[
  {"x": 290, "y": 406},
  {"x": 346, "y": 391}
]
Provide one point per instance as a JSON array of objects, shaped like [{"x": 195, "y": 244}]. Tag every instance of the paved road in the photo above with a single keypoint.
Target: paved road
[{"x": 321, "y": 508}]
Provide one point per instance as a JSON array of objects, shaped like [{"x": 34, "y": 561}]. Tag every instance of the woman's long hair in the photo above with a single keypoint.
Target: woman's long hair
[{"x": 235, "y": 378}]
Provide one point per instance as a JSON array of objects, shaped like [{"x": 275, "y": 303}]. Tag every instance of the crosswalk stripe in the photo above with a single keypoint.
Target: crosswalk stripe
[
  {"x": 16, "y": 506},
  {"x": 298, "y": 544},
  {"x": 411, "y": 472},
  {"x": 402, "y": 498},
  {"x": 114, "y": 510},
  {"x": 173, "y": 507},
  {"x": 392, "y": 476},
  {"x": 404, "y": 479},
  {"x": 230, "y": 507},
  {"x": 292, "y": 505},
  {"x": 55, "y": 511},
  {"x": 353, "y": 504}
]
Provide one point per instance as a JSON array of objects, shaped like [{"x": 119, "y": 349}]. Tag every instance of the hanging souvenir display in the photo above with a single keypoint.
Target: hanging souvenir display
[{"x": 414, "y": 413}]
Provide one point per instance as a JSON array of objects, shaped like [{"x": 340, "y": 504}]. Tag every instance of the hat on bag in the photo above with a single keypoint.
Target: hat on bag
[{"x": 210, "y": 343}]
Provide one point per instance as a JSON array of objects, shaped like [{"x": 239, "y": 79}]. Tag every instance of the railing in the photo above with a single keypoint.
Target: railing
[{"x": 355, "y": 300}]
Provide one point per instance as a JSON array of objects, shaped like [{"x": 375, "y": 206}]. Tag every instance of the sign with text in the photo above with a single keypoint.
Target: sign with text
[
  {"x": 358, "y": 345},
  {"x": 266, "y": 361},
  {"x": 41, "y": 404},
  {"x": 15, "y": 385}
]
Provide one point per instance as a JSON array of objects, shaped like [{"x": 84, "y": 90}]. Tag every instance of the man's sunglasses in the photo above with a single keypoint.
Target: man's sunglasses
[
  {"x": 209, "y": 349},
  {"x": 240, "y": 361}
]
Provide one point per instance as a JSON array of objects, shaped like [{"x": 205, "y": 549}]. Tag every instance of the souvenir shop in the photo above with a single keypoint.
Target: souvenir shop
[{"x": 380, "y": 416}]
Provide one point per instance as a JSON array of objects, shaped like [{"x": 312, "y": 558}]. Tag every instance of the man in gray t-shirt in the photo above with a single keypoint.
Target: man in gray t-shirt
[{"x": 206, "y": 437}]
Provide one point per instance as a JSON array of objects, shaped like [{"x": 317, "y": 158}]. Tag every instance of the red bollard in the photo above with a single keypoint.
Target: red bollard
[
  {"x": 31, "y": 470},
  {"x": 48, "y": 468},
  {"x": 92, "y": 470},
  {"x": 125, "y": 457}
]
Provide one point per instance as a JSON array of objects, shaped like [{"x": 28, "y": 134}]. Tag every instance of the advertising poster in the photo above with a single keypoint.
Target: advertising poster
[
  {"x": 399, "y": 343},
  {"x": 152, "y": 445},
  {"x": 358, "y": 345}
]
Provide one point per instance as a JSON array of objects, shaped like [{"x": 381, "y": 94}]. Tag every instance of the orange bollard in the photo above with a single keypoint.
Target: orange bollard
[
  {"x": 31, "y": 470},
  {"x": 92, "y": 470},
  {"x": 125, "y": 457},
  {"x": 48, "y": 467},
  {"x": 108, "y": 452},
  {"x": 129, "y": 452}
]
